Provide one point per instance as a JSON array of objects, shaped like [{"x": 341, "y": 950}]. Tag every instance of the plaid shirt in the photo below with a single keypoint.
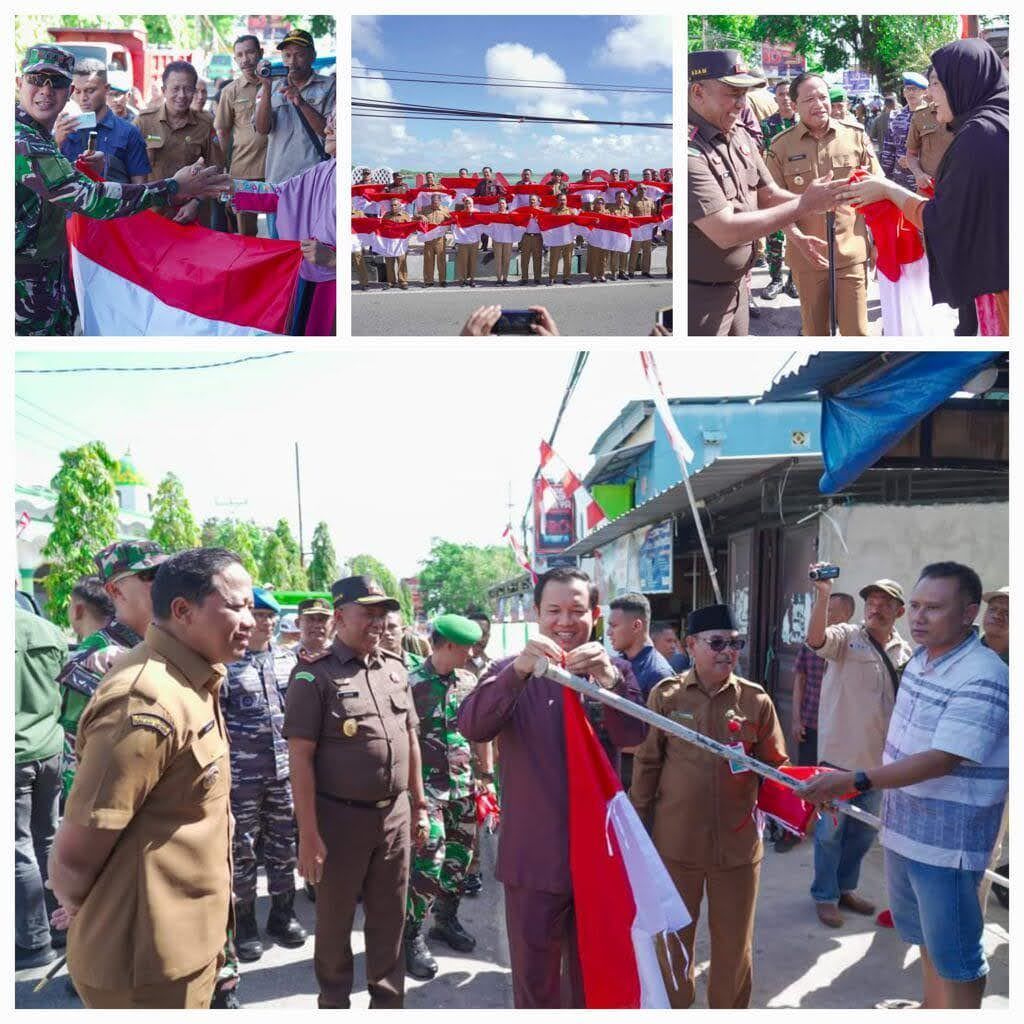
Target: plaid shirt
[{"x": 813, "y": 670}]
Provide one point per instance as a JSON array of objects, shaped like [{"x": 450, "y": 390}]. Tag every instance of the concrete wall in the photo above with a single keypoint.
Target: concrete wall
[{"x": 896, "y": 542}]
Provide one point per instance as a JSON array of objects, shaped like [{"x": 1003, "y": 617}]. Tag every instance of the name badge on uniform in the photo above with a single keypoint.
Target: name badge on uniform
[
  {"x": 205, "y": 729},
  {"x": 349, "y": 727},
  {"x": 797, "y": 156},
  {"x": 348, "y": 693},
  {"x": 737, "y": 767}
]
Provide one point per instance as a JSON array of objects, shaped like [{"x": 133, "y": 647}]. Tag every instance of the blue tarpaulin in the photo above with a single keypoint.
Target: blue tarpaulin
[{"x": 862, "y": 422}]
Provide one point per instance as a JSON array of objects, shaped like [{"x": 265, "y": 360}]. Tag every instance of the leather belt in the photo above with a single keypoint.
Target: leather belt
[
  {"x": 372, "y": 805},
  {"x": 715, "y": 284}
]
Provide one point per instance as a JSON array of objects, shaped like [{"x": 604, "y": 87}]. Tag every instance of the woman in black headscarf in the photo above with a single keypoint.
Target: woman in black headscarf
[{"x": 967, "y": 223}]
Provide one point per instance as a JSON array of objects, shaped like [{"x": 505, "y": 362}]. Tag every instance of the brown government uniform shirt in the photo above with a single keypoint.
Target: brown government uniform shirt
[
  {"x": 928, "y": 139},
  {"x": 169, "y": 149},
  {"x": 722, "y": 171},
  {"x": 235, "y": 130},
  {"x": 796, "y": 158},
  {"x": 700, "y": 813},
  {"x": 153, "y": 763},
  {"x": 359, "y": 712}
]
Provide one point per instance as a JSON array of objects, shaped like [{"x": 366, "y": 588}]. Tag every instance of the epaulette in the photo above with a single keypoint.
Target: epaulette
[
  {"x": 309, "y": 659},
  {"x": 750, "y": 683},
  {"x": 785, "y": 131}
]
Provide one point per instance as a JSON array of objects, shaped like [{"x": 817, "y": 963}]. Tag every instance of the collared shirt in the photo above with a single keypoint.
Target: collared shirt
[
  {"x": 650, "y": 667},
  {"x": 812, "y": 667},
  {"x": 489, "y": 188},
  {"x": 700, "y": 812},
  {"x": 358, "y": 710},
  {"x": 856, "y": 696},
  {"x": 120, "y": 142},
  {"x": 775, "y": 125},
  {"x": 447, "y": 771},
  {"x": 170, "y": 149},
  {"x": 233, "y": 121},
  {"x": 959, "y": 703},
  {"x": 928, "y": 139},
  {"x": 289, "y": 149},
  {"x": 153, "y": 764},
  {"x": 894, "y": 145}
]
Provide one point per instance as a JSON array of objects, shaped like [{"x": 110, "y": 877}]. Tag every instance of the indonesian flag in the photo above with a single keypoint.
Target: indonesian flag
[
  {"x": 488, "y": 204},
  {"x": 684, "y": 453},
  {"x": 364, "y": 194},
  {"x": 588, "y": 191},
  {"x": 554, "y": 471},
  {"x": 380, "y": 202},
  {"x": 23, "y": 520},
  {"x": 624, "y": 899},
  {"x": 517, "y": 550},
  {"x": 620, "y": 186},
  {"x": 560, "y": 229},
  {"x": 386, "y": 237},
  {"x": 656, "y": 190},
  {"x": 610, "y": 232},
  {"x": 666, "y": 217},
  {"x": 146, "y": 275},
  {"x": 504, "y": 227},
  {"x": 521, "y": 194},
  {"x": 467, "y": 227},
  {"x": 431, "y": 232},
  {"x": 461, "y": 186},
  {"x": 420, "y": 197},
  {"x": 642, "y": 228}
]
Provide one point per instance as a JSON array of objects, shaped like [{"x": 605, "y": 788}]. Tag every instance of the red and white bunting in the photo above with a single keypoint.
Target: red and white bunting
[
  {"x": 517, "y": 550},
  {"x": 559, "y": 473},
  {"x": 684, "y": 453}
]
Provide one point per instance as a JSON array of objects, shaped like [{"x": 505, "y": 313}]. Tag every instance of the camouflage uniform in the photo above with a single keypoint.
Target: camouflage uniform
[
  {"x": 894, "y": 145},
  {"x": 439, "y": 867},
  {"x": 776, "y": 248},
  {"x": 253, "y": 699},
  {"x": 46, "y": 188}
]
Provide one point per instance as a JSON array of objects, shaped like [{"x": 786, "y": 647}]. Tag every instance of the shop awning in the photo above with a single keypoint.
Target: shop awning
[{"x": 615, "y": 461}]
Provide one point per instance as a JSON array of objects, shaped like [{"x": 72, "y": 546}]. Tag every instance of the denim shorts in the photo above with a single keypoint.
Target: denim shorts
[{"x": 938, "y": 908}]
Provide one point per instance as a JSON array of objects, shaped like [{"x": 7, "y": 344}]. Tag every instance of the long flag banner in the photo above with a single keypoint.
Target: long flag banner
[
  {"x": 553, "y": 470},
  {"x": 517, "y": 549}
]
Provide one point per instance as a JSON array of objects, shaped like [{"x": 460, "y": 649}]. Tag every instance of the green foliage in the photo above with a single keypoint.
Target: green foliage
[
  {"x": 275, "y": 567},
  {"x": 724, "y": 32},
  {"x": 456, "y": 577},
  {"x": 367, "y": 565},
  {"x": 174, "y": 527},
  {"x": 323, "y": 565},
  {"x": 84, "y": 521},
  {"x": 405, "y": 599},
  {"x": 245, "y": 539},
  {"x": 297, "y": 579},
  {"x": 318, "y": 25}
]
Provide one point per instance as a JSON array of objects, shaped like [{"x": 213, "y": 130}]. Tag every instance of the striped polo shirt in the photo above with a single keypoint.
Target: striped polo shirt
[{"x": 958, "y": 703}]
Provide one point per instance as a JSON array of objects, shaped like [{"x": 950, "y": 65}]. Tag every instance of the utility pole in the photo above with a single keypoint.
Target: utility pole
[{"x": 298, "y": 495}]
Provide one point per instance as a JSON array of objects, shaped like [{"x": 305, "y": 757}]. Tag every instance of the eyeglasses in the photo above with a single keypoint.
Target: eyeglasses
[
  {"x": 719, "y": 643},
  {"x": 53, "y": 81}
]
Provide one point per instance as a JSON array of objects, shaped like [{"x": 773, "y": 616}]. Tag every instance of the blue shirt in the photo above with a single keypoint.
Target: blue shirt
[
  {"x": 680, "y": 662},
  {"x": 650, "y": 668},
  {"x": 120, "y": 141}
]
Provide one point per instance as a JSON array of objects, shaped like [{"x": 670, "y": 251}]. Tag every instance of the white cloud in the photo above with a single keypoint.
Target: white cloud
[
  {"x": 640, "y": 44},
  {"x": 375, "y": 139},
  {"x": 518, "y": 62},
  {"x": 366, "y": 35}
]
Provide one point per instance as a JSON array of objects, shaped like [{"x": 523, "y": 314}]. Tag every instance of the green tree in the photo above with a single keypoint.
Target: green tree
[
  {"x": 456, "y": 577},
  {"x": 724, "y": 32},
  {"x": 296, "y": 577},
  {"x": 275, "y": 568},
  {"x": 174, "y": 527},
  {"x": 245, "y": 539},
  {"x": 367, "y": 565},
  {"x": 84, "y": 521},
  {"x": 405, "y": 599},
  {"x": 322, "y": 570}
]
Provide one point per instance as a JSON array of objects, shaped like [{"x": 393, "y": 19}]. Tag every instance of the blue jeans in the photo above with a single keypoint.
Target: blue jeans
[
  {"x": 839, "y": 848},
  {"x": 37, "y": 786}
]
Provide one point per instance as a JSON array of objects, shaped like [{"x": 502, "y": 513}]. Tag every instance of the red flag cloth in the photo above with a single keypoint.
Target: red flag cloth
[
  {"x": 412, "y": 193},
  {"x": 897, "y": 240},
  {"x": 365, "y": 190},
  {"x": 531, "y": 190},
  {"x": 454, "y": 183}
]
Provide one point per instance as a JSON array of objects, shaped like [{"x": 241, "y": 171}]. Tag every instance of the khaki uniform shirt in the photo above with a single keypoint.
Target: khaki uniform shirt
[
  {"x": 722, "y": 171},
  {"x": 642, "y": 207},
  {"x": 153, "y": 764},
  {"x": 234, "y": 126},
  {"x": 359, "y": 712},
  {"x": 928, "y": 139},
  {"x": 169, "y": 149},
  {"x": 402, "y": 217},
  {"x": 857, "y": 696},
  {"x": 618, "y": 211},
  {"x": 435, "y": 216},
  {"x": 701, "y": 814},
  {"x": 796, "y": 158}
]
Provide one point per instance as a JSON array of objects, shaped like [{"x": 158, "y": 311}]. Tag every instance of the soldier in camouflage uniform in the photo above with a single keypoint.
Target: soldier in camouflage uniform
[
  {"x": 785, "y": 117},
  {"x": 483, "y": 753},
  {"x": 439, "y": 686},
  {"x": 47, "y": 187},
  {"x": 253, "y": 699}
]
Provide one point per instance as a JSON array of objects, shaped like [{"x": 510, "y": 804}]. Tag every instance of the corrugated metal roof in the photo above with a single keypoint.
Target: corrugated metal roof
[
  {"x": 615, "y": 460},
  {"x": 726, "y": 474},
  {"x": 821, "y": 369}
]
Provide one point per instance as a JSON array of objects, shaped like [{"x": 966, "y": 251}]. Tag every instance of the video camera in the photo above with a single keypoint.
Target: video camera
[{"x": 266, "y": 69}]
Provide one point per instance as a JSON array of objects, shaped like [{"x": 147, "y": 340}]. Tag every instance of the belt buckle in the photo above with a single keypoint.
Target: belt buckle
[{"x": 380, "y": 804}]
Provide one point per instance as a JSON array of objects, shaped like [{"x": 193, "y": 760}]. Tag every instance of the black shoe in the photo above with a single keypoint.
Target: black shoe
[
  {"x": 668, "y": 274},
  {"x": 536, "y": 280},
  {"x": 623, "y": 276},
  {"x": 646, "y": 275},
  {"x": 472, "y": 885},
  {"x": 444, "y": 284},
  {"x": 790, "y": 288},
  {"x": 550, "y": 283},
  {"x": 310, "y": 892},
  {"x": 430, "y": 285},
  {"x": 773, "y": 289},
  {"x": 58, "y": 938},
  {"x": 786, "y": 842},
  {"x": 282, "y": 924},
  {"x": 524, "y": 281},
  {"x": 226, "y": 999},
  {"x": 567, "y": 282},
  {"x": 447, "y": 927},
  {"x": 39, "y": 956},
  {"x": 472, "y": 284},
  {"x": 418, "y": 961},
  {"x": 247, "y": 935}
]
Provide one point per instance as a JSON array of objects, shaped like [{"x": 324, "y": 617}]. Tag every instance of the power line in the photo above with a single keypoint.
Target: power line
[
  {"x": 159, "y": 369},
  {"x": 622, "y": 90},
  {"x": 491, "y": 115},
  {"x": 34, "y": 440},
  {"x": 52, "y": 415},
  {"x": 60, "y": 432},
  {"x": 526, "y": 82}
]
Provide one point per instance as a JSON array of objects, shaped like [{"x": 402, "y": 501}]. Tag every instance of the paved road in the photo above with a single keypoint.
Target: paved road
[{"x": 797, "y": 961}]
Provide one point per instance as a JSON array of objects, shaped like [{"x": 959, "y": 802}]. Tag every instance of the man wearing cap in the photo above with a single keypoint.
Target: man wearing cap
[
  {"x": 357, "y": 781},
  {"x": 701, "y": 813},
  {"x": 732, "y": 200},
  {"x": 127, "y": 569},
  {"x": 315, "y": 625},
  {"x": 927, "y": 142},
  {"x": 119, "y": 87},
  {"x": 775, "y": 124},
  {"x": 839, "y": 105},
  {"x": 396, "y": 266},
  {"x": 47, "y": 188},
  {"x": 858, "y": 693},
  {"x": 288, "y": 632},
  {"x": 283, "y": 103},
  {"x": 252, "y": 700},
  {"x": 439, "y": 686},
  {"x": 821, "y": 146},
  {"x": 995, "y": 623},
  {"x": 894, "y": 143}
]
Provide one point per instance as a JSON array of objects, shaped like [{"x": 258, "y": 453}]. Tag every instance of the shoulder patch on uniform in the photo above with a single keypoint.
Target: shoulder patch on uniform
[
  {"x": 693, "y": 151},
  {"x": 693, "y": 129},
  {"x": 146, "y": 720},
  {"x": 784, "y": 132},
  {"x": 307, "y": 676},
  {"x": 308, "y": 659}
]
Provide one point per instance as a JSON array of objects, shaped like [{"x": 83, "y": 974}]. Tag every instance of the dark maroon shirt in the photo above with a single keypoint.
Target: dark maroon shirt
[
  {"x": 525, "y": 716},
  {"x": 489, "y": 188}
]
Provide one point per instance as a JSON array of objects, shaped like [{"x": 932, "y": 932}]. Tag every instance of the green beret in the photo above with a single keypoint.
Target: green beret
[
  {"x": 836, "y": 94},
  {"x": 458, "y": 629}
]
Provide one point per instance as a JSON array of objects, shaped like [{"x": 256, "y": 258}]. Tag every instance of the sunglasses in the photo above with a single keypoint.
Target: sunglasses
[
  {"x": 146, "y": 575},
  {"x": 720, "y": 643},
  {"x": 53, "y": 81}
]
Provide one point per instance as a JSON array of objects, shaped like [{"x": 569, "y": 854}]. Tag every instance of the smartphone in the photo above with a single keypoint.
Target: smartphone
[
  {"x": 87, "y": 119},
  {"x": 825, "y": 572},
  {"x": 91, "y": 144},
  {"x": 516, "y": 321},
  {"x": 663, "y": 317}
]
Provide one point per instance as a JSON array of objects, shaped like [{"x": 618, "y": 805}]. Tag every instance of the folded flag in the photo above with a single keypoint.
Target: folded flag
[
  {"x": 642, "y": 228},
  {"x": 386, "y": 237},
  {"x": 610, "y": 232}
]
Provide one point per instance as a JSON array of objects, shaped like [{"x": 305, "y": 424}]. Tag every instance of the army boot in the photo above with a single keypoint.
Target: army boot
[
  {"x": 282, "y": 923},
  {"x": 247, "y": 935},
  {"x": 447, "y": 927},
  {"x": 418, "y": 961},
  {"x": 774, "y": 287},
  {"x": 790, "y": 288}
]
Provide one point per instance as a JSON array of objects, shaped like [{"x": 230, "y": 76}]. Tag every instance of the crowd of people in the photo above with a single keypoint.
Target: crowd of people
[
  {"x": 262, "y": 144},
  {"x": 361, "y": 754},
  {"x": 469, "y": 214},
  {"x": 767, "y": 164}
]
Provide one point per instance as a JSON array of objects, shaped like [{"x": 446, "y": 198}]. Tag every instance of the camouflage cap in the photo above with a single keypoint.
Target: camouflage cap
[
  {"x": 127, "y": 557},
  {"x": 46, "y": 57}
]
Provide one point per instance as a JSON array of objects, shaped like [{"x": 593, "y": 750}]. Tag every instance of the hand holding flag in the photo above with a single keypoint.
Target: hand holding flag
[{"x": 198, "y": 181}]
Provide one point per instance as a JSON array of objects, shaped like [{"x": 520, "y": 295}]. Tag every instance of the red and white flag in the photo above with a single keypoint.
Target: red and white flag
[
  {"x": 623, "y": 896},
  {"x": 655, "y": 190},
  {"x": 684, "y": 453},
  {"x": 554, "y": 471},
  {"x": 386, "y": 237},
  {"x": 642, "y": 228},
  {"x": 420, "y": 198},
  {"x": 145, "y": 275},
  {"x": 666, "y": 217},
  {"x": 517, "y": 549},
  {"x": 23, "y": 520},
  {"x": 461, "y": 186},
  {"x": 559, "y": 229},
  {"x": 612, "y": 233},
  {"x": 521, "y": 194}
]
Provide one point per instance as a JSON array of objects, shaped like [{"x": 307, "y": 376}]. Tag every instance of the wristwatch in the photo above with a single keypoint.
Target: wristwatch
[{"x": 861, "y": 782}]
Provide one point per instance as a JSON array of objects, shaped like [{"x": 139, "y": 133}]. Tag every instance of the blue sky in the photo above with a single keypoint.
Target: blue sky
[{"x": 633, "y": 50}]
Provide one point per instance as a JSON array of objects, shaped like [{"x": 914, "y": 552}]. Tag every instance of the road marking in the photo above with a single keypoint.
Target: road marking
[{"x": 510, "y": 290}]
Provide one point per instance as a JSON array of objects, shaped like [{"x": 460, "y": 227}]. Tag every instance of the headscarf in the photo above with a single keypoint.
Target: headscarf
[{"x": 967, "y": 224}]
